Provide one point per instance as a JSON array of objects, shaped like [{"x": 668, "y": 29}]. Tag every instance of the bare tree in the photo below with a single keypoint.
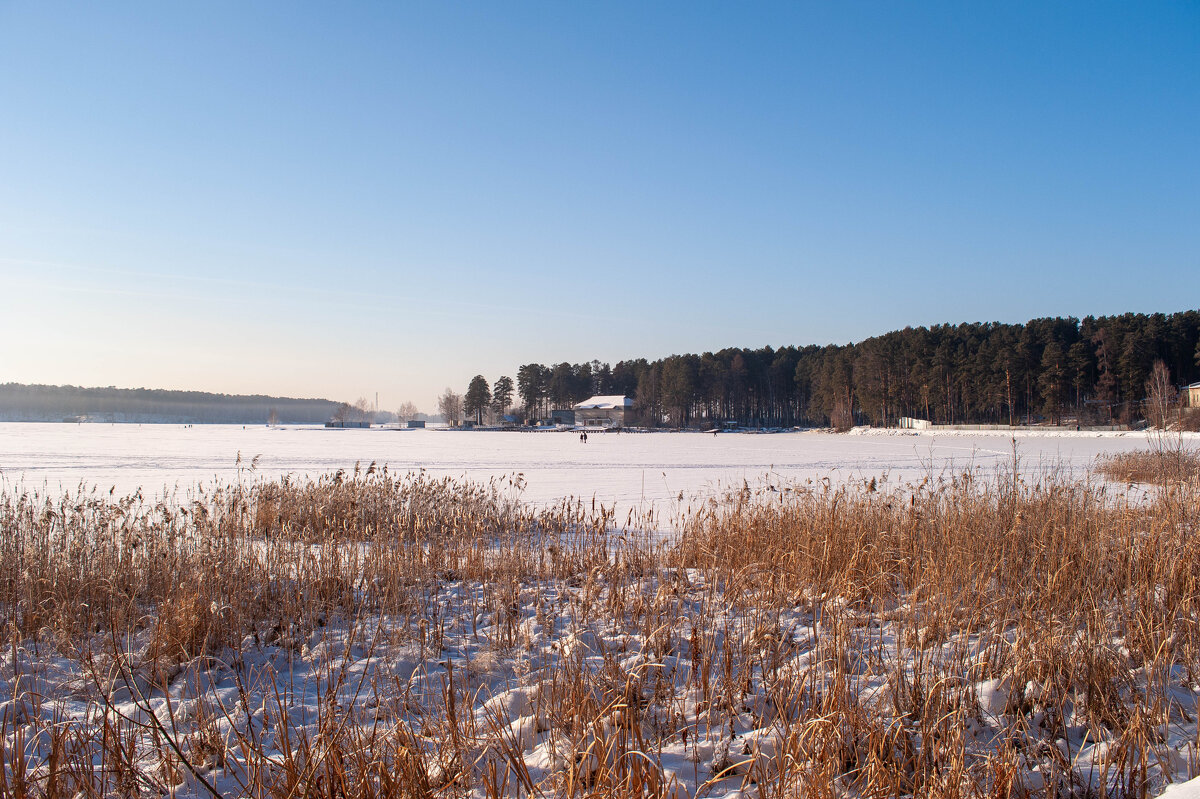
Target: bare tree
[
  {"x": 1160, "y": 395},
  {"x": 361, "y": 411},
  {"x": 450, "y": 406},
  {"x": 406, "y": 412}
]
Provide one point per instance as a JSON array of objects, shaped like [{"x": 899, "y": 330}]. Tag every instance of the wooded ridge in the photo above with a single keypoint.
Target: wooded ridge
[
  {"x": 40, "y": 403},
  {"x": 1093, "y": 370}
]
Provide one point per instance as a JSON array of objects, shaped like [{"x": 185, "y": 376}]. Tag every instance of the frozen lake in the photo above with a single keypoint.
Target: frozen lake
[{"x": 627, "y": 469}]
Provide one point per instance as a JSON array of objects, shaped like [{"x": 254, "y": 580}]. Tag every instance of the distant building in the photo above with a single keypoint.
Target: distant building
[
  {"x": 415, "y": 424},
  {"x": 609, "y": 411},
  {"x": 338, "y": 423},
  {"x": 1193, "y": 395}
]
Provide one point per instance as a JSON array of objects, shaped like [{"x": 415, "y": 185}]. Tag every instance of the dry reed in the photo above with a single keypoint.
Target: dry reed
[{"x": 378, "y": 635}]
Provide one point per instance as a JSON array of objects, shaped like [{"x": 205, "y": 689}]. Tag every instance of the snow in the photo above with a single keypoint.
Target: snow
[
  {"x": 1183, "y": 790},
  {"x": 606, "y": 403},
  {"x": 629, "y": 470}
]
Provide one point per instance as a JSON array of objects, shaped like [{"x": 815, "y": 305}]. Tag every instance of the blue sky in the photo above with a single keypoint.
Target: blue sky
[{"x": 336, "y": 199}]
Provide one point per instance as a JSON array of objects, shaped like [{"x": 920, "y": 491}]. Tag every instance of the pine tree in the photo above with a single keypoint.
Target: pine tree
[
  {"x": 532, "y": 379},
  {"x": 478, "y": 397},
  {"x": 502, "y": 394},
  {"x": 1052, "y": 380}
]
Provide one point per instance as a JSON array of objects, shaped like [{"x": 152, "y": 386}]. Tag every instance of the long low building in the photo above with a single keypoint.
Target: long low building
[{"x": 610, "y": 411}]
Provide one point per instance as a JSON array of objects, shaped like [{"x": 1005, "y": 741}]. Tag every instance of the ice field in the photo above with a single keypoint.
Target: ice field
[{"x": 626, "y": 469}]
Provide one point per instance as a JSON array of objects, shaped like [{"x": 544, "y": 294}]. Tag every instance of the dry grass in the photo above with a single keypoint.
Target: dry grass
[
  {"x": 1168, "y": 461},
  {"x": 371, "y": 635},
  {"x": 1188, "y": 421}
]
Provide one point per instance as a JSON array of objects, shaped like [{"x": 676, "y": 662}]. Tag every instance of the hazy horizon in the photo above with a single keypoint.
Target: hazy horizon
[
  {"x": 432, "y": 409},
  {"x": 308, "y": 201}
]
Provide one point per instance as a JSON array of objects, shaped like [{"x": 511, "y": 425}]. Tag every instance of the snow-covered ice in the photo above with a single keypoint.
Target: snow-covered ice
[{"x": 625, "y": 469}]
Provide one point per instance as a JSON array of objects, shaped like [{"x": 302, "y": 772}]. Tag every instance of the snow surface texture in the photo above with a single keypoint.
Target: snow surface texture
[
  {"x": 629, "y": 470},
  {"x": 1183, "y": 790}
]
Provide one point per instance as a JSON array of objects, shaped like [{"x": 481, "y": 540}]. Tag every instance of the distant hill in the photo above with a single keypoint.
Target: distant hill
[{"x": 37, "y": 403}]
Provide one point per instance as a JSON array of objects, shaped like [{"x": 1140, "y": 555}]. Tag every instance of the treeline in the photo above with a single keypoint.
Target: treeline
[
  {"x": 1092, "y": 371},
  {"x": 37, "y": 403}
]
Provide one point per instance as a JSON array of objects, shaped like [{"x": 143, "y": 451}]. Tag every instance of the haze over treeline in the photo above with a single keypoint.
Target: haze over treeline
[
  {"x": 1092, "y": 370},
  {"x": 37, "y": 403}
]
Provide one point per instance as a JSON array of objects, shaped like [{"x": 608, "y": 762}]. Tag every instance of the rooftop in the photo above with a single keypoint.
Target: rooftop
[{"x": 608, "y": 403}]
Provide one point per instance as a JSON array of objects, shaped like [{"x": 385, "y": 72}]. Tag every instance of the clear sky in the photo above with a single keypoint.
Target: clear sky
[{"x": 333, "y": 199}]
